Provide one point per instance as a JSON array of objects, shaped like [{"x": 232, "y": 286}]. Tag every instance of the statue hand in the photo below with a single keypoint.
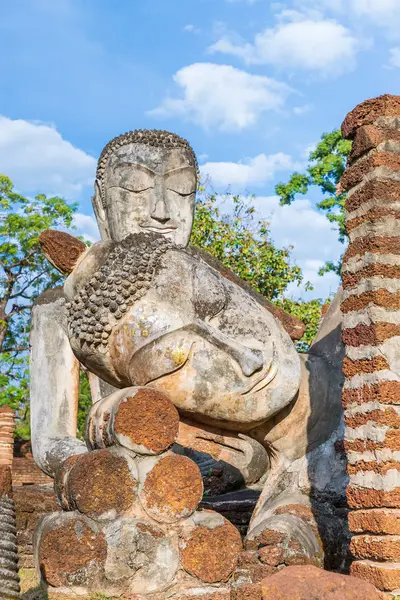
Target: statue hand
[{"x": 140, "y": 419}]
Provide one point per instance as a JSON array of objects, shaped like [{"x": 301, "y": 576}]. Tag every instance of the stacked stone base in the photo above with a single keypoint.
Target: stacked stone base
[{"x": 130, "y": 524}]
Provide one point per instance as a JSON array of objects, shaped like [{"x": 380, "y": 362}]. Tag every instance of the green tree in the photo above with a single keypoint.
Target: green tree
[
  {"x": 84, "y": 402},
  {"x": 24, "y": 274},
  {"x": 243, "y": 244},
  {"x": 326, "y": 165}
]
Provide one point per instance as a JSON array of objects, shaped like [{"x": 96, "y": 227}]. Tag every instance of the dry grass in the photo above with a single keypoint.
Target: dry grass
[{"x": 31, "y": 590}]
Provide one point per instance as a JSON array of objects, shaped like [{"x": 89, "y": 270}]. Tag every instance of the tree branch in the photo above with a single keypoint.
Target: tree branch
[
  {"x": 18, "y": 294},
  {"x": 15, "y": 349},
  {"x": 16, "y": 310}
]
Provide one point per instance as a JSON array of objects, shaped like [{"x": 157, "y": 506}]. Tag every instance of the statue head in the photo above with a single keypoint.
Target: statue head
[{"x": 146, "y": 181}]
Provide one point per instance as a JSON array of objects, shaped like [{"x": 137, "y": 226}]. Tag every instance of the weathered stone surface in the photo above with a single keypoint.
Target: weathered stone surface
[
  {"x": 204, "y": 593},
  {"x": 31, "y": 503},
  {"x": 246, "y": 592},
  {"x": 378, "y": 547},
  {"x": 369, "y": 137},
  {"x": 70, "y": 550},
  {"x": 383, "y": 575},
  {"x": 294, "y": 326},
  {"x": 369, "y": 111},
  {"x": 378, "y": 521},
  {"x": 357, "y": 171},
  {"x": 140, "y": 556},
  {"x": 5, "y": 482},
  {"x": 140, "y": 419},
  {"x": 386, "y": 392},
  {"x": 310, "y": 583},
  {"x": 61, "y": 249},
  {"x": 210, "y": 548},
  {"x": 372, "y": 498},
  {"x": 284, "y": 539},
  {"x": 171, "y": 487},
  {"x": 103, "y": 484},
  {"x": 149, "y": 420},
  {"x": 237, "y": 507},
  {"x": 375, "y": 244},
  {"x": 371, "y": 317}
]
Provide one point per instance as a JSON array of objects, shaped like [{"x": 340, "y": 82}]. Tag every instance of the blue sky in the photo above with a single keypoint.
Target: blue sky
[{"x": 251, "y": 84}]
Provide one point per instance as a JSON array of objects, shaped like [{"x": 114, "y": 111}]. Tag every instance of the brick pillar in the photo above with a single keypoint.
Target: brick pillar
[
  {"x": 371, "y": 333},
  {"x": 7, "y": 419}
]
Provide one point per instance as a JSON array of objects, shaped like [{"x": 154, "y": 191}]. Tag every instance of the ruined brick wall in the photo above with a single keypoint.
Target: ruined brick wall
[
  {"x": 31, "y": 502},
  {"x": 7, "y": 419},
  {"x": 26, "y": 472},
  {"x": 371, "y": 330}
]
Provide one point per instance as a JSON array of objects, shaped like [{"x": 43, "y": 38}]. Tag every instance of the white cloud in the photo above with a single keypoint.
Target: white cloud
[
  {"x": 222, "y": 96},
  {"x": 313, "y": 237},
  {"x": 394, "y": 60},
  {"x": 385, "y": 13},
  {"x": 298, "y": 41},
  {"x": 302, "y": 110},
  {"x": 38, "y": 159},
  {"x": 190, "y": 28},
  {"x": 380, "y": 13},
  {"x": 87, "y": 227},
  {"x": 252, "y": 171}
]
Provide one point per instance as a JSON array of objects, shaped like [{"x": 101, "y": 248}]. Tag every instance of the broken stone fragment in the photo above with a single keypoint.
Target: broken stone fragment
[{"x": 61, "y": 249}]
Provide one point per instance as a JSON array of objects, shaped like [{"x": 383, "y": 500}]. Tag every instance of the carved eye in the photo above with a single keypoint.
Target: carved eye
[{"x": 183, "y": 194}]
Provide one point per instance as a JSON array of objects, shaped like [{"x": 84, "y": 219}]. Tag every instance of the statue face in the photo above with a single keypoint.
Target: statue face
[{"x": 147, "y": 189}]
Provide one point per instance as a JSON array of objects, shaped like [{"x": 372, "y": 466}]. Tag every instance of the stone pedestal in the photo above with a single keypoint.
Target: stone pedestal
[
  {"x": 129, "y": 523},
  {"x": 371, "y": 329},
  {"x": 7, "y": 419}
]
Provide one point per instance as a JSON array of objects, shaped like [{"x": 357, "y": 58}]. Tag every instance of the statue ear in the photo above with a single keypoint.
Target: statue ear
[{"x": 100, "y": 212}]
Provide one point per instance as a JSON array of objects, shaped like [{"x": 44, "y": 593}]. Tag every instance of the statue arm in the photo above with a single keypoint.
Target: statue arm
[{"x": 54, "y": 385}]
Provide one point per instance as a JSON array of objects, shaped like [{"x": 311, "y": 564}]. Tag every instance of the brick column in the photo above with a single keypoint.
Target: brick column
[
  {"x": 371, "y": 333},
  {"x": 7, "y": 419}
]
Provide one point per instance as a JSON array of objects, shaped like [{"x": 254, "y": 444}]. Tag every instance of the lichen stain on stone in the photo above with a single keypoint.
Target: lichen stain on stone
[{"x": 176, "y": 355}]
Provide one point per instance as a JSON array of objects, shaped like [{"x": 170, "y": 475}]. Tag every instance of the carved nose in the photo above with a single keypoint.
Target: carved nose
[{"x": 160, "y": 212}]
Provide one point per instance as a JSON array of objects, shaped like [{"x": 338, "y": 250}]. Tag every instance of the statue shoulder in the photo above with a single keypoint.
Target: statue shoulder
[
  {"x": 294, "y": 326},
  {"x": 50, "y": 296}
]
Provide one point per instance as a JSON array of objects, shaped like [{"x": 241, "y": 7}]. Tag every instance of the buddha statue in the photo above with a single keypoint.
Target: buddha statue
[{"x": 143, "y": 312}]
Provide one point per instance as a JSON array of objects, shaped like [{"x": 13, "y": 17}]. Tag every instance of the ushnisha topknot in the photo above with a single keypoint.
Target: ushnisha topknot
[{"x": 150, "y": 137}]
